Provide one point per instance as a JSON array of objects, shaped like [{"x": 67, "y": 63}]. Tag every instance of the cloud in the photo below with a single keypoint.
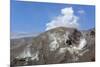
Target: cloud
[
  {"x": 81, "y": 11},
  {"x": 65, "y": 19}
]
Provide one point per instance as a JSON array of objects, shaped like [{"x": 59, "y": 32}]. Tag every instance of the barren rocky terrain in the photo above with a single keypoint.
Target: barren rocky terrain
[{"x": 58, "y": 45}]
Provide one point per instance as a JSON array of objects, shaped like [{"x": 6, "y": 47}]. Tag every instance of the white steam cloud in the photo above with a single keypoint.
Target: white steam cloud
[
  {"x": 66, "y": 19},
  {"x": 81, "y": 11}
]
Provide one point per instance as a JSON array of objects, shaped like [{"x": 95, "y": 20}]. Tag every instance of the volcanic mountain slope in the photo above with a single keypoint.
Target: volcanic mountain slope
[{"x": 59, "y": 45}]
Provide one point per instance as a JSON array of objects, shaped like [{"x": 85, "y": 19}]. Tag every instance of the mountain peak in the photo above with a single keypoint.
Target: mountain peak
[{"x": 57, "y": 45}]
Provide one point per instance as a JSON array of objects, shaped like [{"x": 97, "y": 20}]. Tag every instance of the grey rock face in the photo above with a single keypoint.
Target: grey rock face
[{"x": 59, "y": 45}]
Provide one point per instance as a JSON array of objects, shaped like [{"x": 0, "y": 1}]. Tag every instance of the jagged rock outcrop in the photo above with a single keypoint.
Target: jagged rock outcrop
[{"x": 59, "y": 45}]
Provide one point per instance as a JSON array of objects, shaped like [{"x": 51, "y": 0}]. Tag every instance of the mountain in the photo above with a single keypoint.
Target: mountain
[
  {"x": 58, "y": 45},
  {"x": 14, "y": 35}
]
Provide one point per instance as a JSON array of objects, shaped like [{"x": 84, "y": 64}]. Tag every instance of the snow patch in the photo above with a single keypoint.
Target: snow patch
[
  {"x": 78, "y": 50},
  {"x": 27, "y": 54},
  {"x": 82, "y": 43},
  {"x": 35, "y": 56},
  {"x": 56, "y": 39},
  {"x": 62, "y": 50},
  {"x": 54, "y": 45}
]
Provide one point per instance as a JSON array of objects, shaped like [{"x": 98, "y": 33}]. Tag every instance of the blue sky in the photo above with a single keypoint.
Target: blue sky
[{"x": 32, "y": 17}]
